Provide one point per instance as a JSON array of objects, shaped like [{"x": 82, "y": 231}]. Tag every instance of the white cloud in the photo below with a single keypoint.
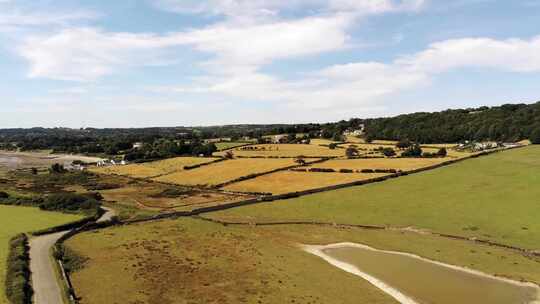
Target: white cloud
[{"x": 88, "y": 53}]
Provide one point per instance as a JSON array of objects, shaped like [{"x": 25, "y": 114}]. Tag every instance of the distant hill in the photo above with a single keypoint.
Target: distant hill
[{"x": 509, "y": 122}]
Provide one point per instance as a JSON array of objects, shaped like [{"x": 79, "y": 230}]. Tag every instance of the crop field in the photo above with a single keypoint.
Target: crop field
[
  {"x": 286, "y": 150},
  {"x": 404, "y": 164},
  {"x": 291, "y": 181},
  {"x": 15, "y": 220},
  {"x": 152, "y": 169},
  {"x": 227, "y": 145},
  {"x": 473, "y": 198},
  {"x": 225, "y": 171},
  {"x": 194, "y": 261},
  {"x": 154, "y": 197}
]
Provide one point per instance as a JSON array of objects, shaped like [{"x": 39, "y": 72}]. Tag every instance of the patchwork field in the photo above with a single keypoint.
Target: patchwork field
[
  {"x": 291, "y": 181},
  {"x": 194, "y": 261},
  {"x": 225, "y": 171},
  {"x": 227, "y": 145},
  {"x": 473, "y": 198},
  {"x": 152, "y": 169},
  {"x": 160, "y": 198},
  {"x": 404, "y": 164},
  {"x": 15, "y": 220},
  {"x": 286, "y": 150}
]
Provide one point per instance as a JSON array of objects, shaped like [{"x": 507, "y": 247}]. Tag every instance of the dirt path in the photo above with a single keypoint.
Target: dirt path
[{"x": 47, "y": 289}]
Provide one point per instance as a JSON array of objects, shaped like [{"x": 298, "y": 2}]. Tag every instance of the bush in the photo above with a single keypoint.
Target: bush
[
  {"x": 3, "y": 195},
  {"x": 70, "y": 202},
  {"x": 442, "y": 152},
  {"x": 388, "y": 152},
  {"x": 413, "y": 151},
  {"x": 367, "y": 171},
  {"x": 17, "y": 286},
  {"x": 346, "y": 171},
  {"x": 535, "y": 136}
]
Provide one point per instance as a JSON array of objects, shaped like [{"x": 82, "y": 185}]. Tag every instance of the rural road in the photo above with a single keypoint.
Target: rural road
[{"x": 45, "y": 283}]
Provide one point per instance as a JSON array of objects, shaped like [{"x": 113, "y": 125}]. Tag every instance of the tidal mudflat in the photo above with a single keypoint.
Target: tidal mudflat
[{"x": 411, "y": 279}]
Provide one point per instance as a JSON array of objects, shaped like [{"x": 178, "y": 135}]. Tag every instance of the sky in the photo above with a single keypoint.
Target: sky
[{"x": 143, "y": 63}]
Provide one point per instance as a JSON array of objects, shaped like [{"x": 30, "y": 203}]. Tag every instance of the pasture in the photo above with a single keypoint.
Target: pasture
[
  {"x": 404, "y": 164},
  {"x": 285, "y": 150},
  {"x": 228, "y": 145},
  {"x": 292, "y": 181},
  {"x": 492, "y": 197},
  {"x": 194, "y": 261},
  {"x": 152, "y": 169},
  {"x": 222, "y": 172},
  {"x": 15, "y": 220}
]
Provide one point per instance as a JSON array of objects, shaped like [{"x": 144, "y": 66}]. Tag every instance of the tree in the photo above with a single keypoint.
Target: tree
[
  {"x": 300, "y": 160},
  {"x": 351, "y": 152},
  {"x": 442, "y": 152},
  {"x": 57, "y": 168},
  {"x": 332, "y": 146},
  {"x": 535, "y": 136},
  {"x": 229, "y": 155},
  {"x": 403, "y": 144},
  {"x": 388, "y": 152},
  {"x": 413, "y": 151},
  {"x": 337, "y": 137}
]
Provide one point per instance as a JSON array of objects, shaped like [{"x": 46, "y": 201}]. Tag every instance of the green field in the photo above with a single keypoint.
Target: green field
[
  {"x": 193, "y": 261},
  {"x": 15, "y": 220},
  {"x": 494, "y": 197},
  {"x": 227, "y": 145}
]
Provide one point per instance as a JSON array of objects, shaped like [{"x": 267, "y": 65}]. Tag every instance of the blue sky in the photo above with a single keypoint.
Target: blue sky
[{"x": 139, "y": 63}]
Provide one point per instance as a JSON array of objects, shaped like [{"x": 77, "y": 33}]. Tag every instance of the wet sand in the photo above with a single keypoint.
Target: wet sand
[
  {"x": 411, "y": 279},
  {"x": 17, "y": 160}
]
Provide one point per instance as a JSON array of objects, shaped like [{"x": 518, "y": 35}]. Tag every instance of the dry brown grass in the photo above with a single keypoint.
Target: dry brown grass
[
  {"x": 291, "y": 181},
  {"x": 225, "y": 171},
  {"x": 287, "y": 150},
  {"x": 403, "y": 164},
  {"x": 146, "y": 196},
  {"x": 156, "y": 168}
]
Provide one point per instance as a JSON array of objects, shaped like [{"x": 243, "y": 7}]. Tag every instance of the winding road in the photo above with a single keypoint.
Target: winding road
[{"x": 47, "y": 289}]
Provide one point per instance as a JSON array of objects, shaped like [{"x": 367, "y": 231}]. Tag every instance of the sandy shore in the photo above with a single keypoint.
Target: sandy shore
[{"x": 318, "y": 250}]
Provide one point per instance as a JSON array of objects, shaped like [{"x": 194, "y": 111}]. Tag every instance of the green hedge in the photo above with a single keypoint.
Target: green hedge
[{"x": 18, "y": 289}]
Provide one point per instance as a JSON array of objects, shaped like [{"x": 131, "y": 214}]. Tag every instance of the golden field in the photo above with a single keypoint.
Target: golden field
[
  {"x": 221, "y": 172},
  {"x": 286, "y": 150},
  {"x": 403, "y": 164},
  {"x": 156, "y": 168},
  {"x": 292, "y": 181}
]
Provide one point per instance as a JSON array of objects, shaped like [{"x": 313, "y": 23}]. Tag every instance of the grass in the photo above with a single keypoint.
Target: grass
[
  {"x": 291, "y": 181},
  {"x": 15, "y": 220},
  {"x": 156, "y": 168},
  {"x": 493, "y": 197},
  {"x": 224, "y": 171},
  {"x": 286, "y": 150},
  {"x": 193, "y": 261},
  {"x": 403, "y": 164},
  {"x": 228, "y": 144}
]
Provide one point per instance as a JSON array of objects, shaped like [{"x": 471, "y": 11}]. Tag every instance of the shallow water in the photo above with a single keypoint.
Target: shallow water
[{"x": 421, "y": 281}]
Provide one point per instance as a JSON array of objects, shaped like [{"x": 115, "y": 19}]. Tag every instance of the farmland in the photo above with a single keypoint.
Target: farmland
[
  {"x": 472, "y": 198},
  {"x": 194, "y": 261},
  {"x": 404, "y": 164},
  {"x": 152, "y": 169},
  {"x": 17, "y": 220},
  {"x": 229, "y": 144},
  {"x": 292, "y": 181},
  {"x": 224, "y": 171},
  {"x": 285, "y": 150}
]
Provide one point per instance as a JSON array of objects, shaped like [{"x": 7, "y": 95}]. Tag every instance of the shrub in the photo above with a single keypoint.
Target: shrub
[
  {"x": 413, "y": 151},
  {"x": 442, "y": 152},
  {"x": 3, "y": 195},
  {"x": 346, "y": 171},
  {"x": 367, "y": 171},
  {"x": 404, "y": 144},
  {"x": 388, "y": 152},
  {"x": 69, "y": 202},
  {"x": 535, "y": 136},
  {"x": 17, "y": 286}
]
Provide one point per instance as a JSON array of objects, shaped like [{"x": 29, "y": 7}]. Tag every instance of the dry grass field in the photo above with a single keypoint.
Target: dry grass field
[
  {"x": 291, "y": 181},
  {"x": 152, "y": 169},
  {"x": 404, "y": 164},
  {"x": 148, "y": 196},
  {"x": 222, "y": 172},
  {"x": 286, "y": 150},
  {"x": 192, "y": 261}
]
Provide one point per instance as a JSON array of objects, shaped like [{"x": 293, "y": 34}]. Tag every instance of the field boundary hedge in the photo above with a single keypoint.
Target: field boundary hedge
[
  {"x": 200, "y": 165},
  {"x": 17, "y": 284},
  {"x": 254, "y": 175}
]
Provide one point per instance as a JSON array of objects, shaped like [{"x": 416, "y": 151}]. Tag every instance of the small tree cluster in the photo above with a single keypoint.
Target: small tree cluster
[{"x": 413, "y": 151}]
